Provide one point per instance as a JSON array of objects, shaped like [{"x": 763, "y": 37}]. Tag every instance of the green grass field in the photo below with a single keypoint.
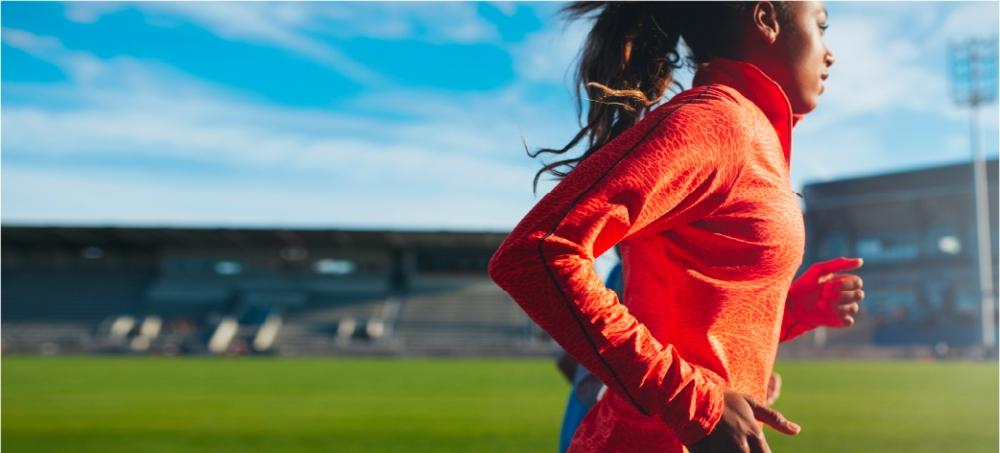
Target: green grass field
[{"x": 344, "y": 405}]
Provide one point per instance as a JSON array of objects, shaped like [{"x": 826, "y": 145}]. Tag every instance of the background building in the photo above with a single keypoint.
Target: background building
[
  {"x": 173, "y": 290},
  {"x": 916, "y": 233}
]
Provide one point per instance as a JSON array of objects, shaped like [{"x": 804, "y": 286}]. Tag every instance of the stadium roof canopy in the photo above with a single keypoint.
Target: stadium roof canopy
[
  {"x": 899, "y": 186},
  {"x": 147, "y": 237}
]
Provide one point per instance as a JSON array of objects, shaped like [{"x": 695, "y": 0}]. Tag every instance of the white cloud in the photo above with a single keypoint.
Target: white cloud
[
  {"x": 300, "y": 26},
  {"x": 425, "y": 154},
  {"x": 83, "y": 67},
  {"x": 507, "y": 8},
  {"x": 90, "y": 12},
  {"x": 442, "y": 22},
  {"x": 861, "y": 151},
  {"x": 971, "y": 19},
  {"x": 32, "y": 196},
  {"x": 885, "y": 60},
  {"x": 875, "y": 72},
  {"x": 275, "y": 24},
  {"x": 30, "y": 42},
  {"x": 456, "y": 162},
  {"x": 850, "y": 152},
  {"x": 548, "y": 55}
]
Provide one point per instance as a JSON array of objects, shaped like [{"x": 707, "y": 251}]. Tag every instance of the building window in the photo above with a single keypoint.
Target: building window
[
  {"x": 834, "y": 243},
  {"x": 461, "y": 260},
  {"x": 334, "y": 267},
  {"x": 889, "y": 306},
  {"x": 228, "y": 268},
  {"x": 294, "y": 253},
  {"x": 943, "y": 239},
  {"x": 949, "y": 244},
  {"x": 898, "y": 246},
  {"x": 92, "y": 253}
]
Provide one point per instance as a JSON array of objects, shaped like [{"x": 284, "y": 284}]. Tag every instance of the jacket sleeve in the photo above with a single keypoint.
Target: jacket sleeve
[
  {"x": 674, "y": 166},
  {"x": 791, "y": 327}
]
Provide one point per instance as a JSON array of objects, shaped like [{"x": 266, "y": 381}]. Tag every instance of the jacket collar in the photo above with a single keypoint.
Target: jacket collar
[{"x": 759, "y": 89}]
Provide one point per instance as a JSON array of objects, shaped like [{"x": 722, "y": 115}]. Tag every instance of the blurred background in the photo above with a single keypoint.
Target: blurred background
[{"x": 321, "y": 185}]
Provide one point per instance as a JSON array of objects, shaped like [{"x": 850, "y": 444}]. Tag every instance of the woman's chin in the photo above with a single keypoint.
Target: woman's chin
[{"x": 805, "y": 105}]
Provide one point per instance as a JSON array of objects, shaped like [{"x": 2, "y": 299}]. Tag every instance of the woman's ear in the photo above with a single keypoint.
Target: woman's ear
[{"x": 765, "y": 21}]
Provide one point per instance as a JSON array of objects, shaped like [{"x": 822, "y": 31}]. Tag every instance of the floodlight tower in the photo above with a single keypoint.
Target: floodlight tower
[{"x": 974, "y": 82}]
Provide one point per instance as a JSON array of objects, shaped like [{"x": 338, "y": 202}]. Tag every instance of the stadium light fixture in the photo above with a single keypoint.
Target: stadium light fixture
[{"x": 973, "y": 65}]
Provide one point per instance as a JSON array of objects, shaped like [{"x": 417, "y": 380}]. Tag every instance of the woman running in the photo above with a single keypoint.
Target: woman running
[{"x": 697, "y": 193}]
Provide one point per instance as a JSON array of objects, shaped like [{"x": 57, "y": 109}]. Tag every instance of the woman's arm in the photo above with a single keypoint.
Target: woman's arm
[{"x": 675, "y": 166}]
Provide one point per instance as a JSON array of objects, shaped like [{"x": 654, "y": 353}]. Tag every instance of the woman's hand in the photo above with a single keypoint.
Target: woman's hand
[
  {"x": 738, "y": 430},
  {"x": 827, "y": 296}
]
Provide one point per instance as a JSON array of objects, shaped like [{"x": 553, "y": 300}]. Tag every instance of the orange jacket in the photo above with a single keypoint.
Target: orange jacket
[{"x": 698, "y": 195}]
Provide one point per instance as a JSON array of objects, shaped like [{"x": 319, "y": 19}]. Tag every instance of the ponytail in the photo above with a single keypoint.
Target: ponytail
[{"x": 628, "y": 62}]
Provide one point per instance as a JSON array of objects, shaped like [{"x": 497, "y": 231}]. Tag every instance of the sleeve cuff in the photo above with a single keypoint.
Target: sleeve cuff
[
  {"x": 707, "y": 414},
  {"x": 791, "y": 327}
]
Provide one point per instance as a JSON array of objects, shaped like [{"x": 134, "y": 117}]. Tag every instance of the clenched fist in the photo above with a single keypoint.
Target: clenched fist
[{"x": 827, "y": 294}]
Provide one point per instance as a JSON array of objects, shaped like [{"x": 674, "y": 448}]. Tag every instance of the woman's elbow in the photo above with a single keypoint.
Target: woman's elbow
[
  {"x": 506, "y": 262},
  {"x": 515, "y": 260},
  {"x": 496, "y": 266}
]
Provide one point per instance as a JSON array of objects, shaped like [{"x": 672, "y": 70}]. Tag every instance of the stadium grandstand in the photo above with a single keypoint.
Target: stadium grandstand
[
  {"x": 312, "y": 292},
  {"x": 174, "y": 291}
]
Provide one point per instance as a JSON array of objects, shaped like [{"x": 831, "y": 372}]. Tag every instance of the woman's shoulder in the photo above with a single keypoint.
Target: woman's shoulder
[
  {"x": 699, "y": 110},
  {"x": 707, "y": 121},
  {"x": 711, "y": 98}
]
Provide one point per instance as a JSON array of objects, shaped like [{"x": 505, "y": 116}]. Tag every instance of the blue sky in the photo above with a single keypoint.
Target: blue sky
[{"x": 386, "y": 115}]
